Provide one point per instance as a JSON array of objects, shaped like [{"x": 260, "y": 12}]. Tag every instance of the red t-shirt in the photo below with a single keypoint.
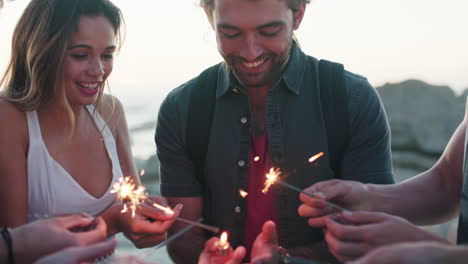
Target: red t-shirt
[{"x": 260, "y": 207}]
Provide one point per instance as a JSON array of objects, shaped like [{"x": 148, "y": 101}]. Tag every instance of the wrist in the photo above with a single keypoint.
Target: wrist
[{"x": 112, "y": 219}]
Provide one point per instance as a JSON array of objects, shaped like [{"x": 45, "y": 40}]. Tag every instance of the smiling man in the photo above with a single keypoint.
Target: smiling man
[{"x": 267, "y": 105}]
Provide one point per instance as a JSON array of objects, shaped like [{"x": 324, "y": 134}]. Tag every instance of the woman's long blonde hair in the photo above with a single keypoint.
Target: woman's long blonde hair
[{"x": 34, "y": 73}]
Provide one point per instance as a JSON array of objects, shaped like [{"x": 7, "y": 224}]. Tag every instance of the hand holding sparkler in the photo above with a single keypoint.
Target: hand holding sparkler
[
  {"x": 351, "y": 195},
  {"x": 218, "y": 250},
  {"x": 143, "y": 224}
]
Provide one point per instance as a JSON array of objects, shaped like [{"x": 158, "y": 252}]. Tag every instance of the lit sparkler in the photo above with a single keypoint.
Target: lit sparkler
[
  {"x": 272, "y": 177},
  {"x": 316, "y": 156},
  {"x": 223, "y": 243},
  {"x": 243, "y": 193},
  {"x": 126, "y": 189}
]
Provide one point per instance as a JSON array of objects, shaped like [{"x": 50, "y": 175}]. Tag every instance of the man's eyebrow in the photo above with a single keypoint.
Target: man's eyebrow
[
  {"x": 271, "y": 24},
  {"x": 227, "y": 26},
  {"x": 111, "y": 47}
]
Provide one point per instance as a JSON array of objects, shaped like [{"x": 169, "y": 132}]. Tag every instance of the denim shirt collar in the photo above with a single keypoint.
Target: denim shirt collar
[{"x": 293, "y": 76}]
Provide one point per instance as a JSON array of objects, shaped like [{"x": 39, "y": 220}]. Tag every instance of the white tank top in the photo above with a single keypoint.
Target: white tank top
[{"x": 52, "y": 190}]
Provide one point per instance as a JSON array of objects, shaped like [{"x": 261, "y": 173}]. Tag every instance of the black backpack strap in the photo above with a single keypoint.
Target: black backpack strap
[
  {"x": 334, "y": 99},
  {"x": 201, "y": 109}
]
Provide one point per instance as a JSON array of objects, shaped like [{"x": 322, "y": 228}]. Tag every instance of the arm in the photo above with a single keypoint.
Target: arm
[
  {"x": 13, "y": 169},
  {"x": 430, "y": 197},
  {"x": 178, "y": 180},
  {"x": 367, "y": 158},
  {"x": 410, "y": 198},
  {"x": 416, "y": 253}
]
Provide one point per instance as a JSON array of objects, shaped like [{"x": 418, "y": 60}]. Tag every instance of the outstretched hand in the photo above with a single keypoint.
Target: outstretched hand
[
  {"x": 348, "y": 194},
  {"x": 29, "y": 239},
  {"x": 352, "y": 235},
  {"x": 411, "y": 253},
  {"x": 211, "y": 254}
]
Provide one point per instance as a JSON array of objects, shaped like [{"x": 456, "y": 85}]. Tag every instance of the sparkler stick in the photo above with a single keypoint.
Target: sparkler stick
[
  {"x": 167, "y": 210},
  {"x": 213, "y": 229},
  {"x": 171, "y": 238},
  {"x": 292, "y": 187}
]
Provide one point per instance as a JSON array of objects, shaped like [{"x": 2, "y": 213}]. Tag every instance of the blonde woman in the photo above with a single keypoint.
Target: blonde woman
[{"x": 63, "y": 141}]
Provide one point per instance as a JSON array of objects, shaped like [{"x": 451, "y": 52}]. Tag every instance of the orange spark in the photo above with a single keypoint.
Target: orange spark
[
  {"x": 126, "y": 189},
  {"x": 272, "y": 177},
  {"x": 243, "y": 193},
  {"x": 142, "y": 172},
  {"x": 316, "y": 156},
  {"x": 257, "y": 158}
]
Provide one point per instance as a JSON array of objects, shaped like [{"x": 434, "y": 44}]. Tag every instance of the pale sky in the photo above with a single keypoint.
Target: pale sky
[{"x": 170, "y": 41}]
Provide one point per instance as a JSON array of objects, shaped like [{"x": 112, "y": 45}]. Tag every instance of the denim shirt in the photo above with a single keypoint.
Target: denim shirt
[{"x": 295, "y": 130}]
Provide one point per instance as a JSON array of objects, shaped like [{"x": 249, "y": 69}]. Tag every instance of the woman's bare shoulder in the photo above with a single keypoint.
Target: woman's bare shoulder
[
  {"x": 12, "y": 121},
  {"x": 112, "y": 112}
]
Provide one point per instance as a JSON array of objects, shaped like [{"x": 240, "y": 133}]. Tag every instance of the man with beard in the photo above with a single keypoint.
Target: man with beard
[{"x": 265, "y": 106}]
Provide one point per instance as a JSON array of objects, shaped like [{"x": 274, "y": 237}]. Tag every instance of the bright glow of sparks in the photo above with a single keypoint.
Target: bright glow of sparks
[
  {"x": 316, "y": 156},
  {"x": 257, "y": 158},
  {"x": 142, "y": 172},
  {"x": 272, "y": 177},
  {"x": 167, "y": 210},
  {"x": 243, "y": 193},
  {"x": 223, "y": 241},
  {"x": 126, "y": 189}
]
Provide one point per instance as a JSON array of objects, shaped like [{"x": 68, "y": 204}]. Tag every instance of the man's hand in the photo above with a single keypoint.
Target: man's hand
[
  {"x": 149, "y": 225},
  {"x": 80, "y": 255},
  {"x": 211, "y": 254},
  {"x": 410, "y": 253},
  {"x": 348, "y": 194},
  {"x": 44, "y": 237},
  {"x": 352, "y": 235},
  {"x": 265, "y": 246}
]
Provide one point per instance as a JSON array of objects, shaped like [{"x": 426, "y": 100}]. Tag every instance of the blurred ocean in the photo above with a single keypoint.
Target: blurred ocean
[{"x": 141, "y": 113}]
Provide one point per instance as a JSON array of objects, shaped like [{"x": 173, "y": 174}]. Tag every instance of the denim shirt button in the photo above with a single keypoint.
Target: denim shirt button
[
  {"x": 241, "y": 163},
  {"x": 237, "y": 209},
  {"x": 243, "y": 120}
]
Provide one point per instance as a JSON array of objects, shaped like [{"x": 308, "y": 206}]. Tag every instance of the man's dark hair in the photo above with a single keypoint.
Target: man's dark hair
[{"x": 208, "y": 5}]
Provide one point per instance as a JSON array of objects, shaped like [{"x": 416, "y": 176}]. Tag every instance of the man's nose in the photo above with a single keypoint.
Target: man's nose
[{"x": 251, "y": 48}]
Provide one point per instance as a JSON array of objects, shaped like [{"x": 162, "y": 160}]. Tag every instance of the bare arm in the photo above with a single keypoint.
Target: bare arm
[
  {"x": 432, "y": 196},
  {"x": 428, "y": 198},
  {"x": 188, "y": 247},
  {"x": 13, "y": 174}
]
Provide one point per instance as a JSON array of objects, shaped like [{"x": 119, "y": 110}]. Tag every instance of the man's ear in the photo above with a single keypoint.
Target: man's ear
[{"x": 298, "y": 15}]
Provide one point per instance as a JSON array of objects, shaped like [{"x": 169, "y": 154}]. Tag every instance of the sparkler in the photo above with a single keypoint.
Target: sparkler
[
  {"x": 273, "y": 177},
  {"x": 243, "y": 193},
  {"x": 316, "y": 156},
  {"x": 126, "y": 189},
  {"x": 169, "y": 211},
  {"x": 170, "y": 239},
  {"x": 223, "y": 243}
]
